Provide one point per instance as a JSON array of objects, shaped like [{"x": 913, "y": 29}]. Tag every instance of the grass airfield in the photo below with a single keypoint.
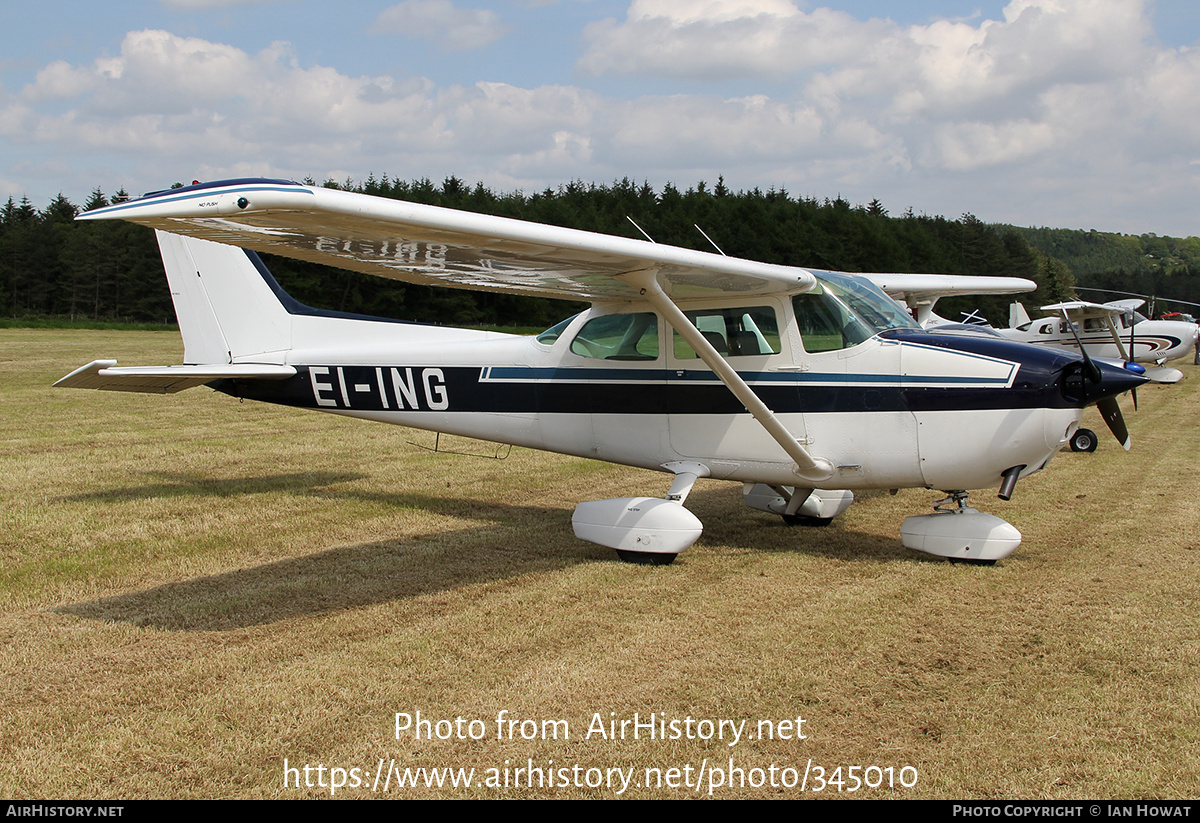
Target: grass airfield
[{"x": 195, "y": 589}]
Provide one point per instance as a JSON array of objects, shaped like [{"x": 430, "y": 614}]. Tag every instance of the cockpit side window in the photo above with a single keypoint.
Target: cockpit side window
[
  {"x": 741, "y": 332},
  {"x": 619, "y": 337}
]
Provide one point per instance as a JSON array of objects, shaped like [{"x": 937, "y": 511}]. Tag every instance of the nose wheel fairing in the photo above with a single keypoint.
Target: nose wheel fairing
[{"x": 960, "y": 533}]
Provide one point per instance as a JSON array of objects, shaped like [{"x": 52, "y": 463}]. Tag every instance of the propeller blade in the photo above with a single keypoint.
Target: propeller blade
[
  {"x": 1090, "y": 370},
  {"x": 1110, "y": 410},
  {"x": 1134, "y": 393}
]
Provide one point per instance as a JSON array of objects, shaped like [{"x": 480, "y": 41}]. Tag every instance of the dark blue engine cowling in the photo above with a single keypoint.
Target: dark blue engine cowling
[{"x": 1048, "y": 378}]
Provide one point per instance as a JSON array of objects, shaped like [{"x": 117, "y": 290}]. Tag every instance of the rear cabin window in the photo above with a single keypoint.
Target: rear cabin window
[
  {"x": 619, "y": 337},
  {"x": 742, "y": 332}
]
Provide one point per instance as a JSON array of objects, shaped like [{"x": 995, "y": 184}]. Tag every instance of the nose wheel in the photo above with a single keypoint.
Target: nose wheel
[{"x": 1083, "y": 440}]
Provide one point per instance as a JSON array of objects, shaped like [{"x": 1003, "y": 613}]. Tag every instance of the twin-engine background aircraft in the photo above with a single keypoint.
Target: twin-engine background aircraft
[
  {"x": 1113, "y": 330},
  {"x": 802, "y": 385}
]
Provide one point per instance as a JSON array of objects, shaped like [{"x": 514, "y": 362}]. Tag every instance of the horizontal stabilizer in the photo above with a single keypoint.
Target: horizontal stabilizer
[{"x": 102, "y": 374}]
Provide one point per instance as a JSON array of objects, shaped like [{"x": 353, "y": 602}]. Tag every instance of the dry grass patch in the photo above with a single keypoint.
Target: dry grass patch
[{"x": 194, "y": 589}]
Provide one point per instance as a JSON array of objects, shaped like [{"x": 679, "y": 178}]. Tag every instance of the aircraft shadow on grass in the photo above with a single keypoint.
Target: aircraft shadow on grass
[
  {"x": 419, "y": 565},
  {"x": 180, "y": 484}
]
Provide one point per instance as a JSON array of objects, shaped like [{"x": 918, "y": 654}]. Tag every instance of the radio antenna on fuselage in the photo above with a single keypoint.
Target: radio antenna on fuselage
[
  {"x": 709, "y": 239},
  {"x": 639, "y": 228}
]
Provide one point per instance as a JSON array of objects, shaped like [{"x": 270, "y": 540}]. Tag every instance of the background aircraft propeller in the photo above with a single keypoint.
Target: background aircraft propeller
[
  {"x": 1109, "y": 408},
  {"x": 1132, "y": 326}
]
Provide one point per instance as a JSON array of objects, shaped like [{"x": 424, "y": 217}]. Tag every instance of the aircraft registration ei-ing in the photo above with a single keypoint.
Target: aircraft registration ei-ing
[{"x": 803, "y": 385}]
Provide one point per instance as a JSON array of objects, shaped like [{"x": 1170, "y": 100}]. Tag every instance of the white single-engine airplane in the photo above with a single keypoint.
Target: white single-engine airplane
[
  {"x": 802, "y": 385},
  {"x": 1107, "y": 331}
]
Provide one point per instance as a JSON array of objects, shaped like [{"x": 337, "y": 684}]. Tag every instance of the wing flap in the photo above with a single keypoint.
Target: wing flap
[
  {"x": 429, "y": 245},
  {"x": 103, "y": 375}
]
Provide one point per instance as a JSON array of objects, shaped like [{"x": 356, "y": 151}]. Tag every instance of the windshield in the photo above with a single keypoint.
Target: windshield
[
  {"x": 868, "y": 302},
  {"x": 843, "y": 311}
]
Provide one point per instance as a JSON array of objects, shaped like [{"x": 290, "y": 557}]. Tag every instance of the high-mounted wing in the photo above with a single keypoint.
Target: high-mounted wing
[
  {"x": 1076, "y": 312},
  {"x": 424, "y": 244},
  {"x": 920, "y": 292},
  {"x": 428, "y": 245},
  {"x": 1083, "y": 310}
]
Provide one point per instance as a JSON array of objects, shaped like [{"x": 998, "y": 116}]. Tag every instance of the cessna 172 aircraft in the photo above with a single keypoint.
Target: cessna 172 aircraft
[{"x": 802, "y": 385}]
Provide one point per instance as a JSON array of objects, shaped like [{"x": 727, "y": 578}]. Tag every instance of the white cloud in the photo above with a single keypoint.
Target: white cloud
[
  {"x": 707, "y": 40},
  {"x": 968, "y": 146},
  {"x": 1060, "y": 108},
  {"x": 59, "y": 81},
  {"x": 453, "y": 28},
  {"x": 947, "y": 96}
]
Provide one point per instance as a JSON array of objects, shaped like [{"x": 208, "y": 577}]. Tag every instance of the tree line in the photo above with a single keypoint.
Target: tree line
[
  {"x": 1108, "y": 264},
  {"x": 51, "y": 266}
]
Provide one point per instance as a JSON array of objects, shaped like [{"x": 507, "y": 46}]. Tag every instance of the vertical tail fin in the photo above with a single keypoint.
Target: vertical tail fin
[
  {"x": 1017, "y": 316},
  {"x": 227, "y": 311}
]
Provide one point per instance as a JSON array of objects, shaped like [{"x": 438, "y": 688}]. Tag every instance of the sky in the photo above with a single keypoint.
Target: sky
[{"x": 1068, "y": 113}]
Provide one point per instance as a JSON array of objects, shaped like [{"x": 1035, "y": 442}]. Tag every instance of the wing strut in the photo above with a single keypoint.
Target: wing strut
[
  {"x": 807, "y": 466},
  {"x": 1127, "y": 356}
]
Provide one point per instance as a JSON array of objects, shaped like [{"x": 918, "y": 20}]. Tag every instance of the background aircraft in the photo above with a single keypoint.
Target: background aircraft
[
  {"x": 1113, "y": 330},
  {"x": 802, "y": 385},
  {"x": 1110, "y": 330}
]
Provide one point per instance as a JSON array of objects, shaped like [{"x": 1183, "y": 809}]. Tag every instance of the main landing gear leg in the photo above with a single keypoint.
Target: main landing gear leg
[{"x": 960, "y": 533}]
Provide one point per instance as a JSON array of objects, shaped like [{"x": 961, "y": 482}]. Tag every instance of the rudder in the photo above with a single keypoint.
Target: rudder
[{"x": 227, "y": 312}]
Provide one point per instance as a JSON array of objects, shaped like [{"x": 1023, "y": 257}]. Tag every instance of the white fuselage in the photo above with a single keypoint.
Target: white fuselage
[
  {"x": 1148, "y": 341},
  {"x": 850, "y": 405}
]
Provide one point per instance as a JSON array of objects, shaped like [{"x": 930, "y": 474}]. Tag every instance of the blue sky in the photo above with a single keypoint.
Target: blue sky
[{"x": 1074, "y": 113}]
